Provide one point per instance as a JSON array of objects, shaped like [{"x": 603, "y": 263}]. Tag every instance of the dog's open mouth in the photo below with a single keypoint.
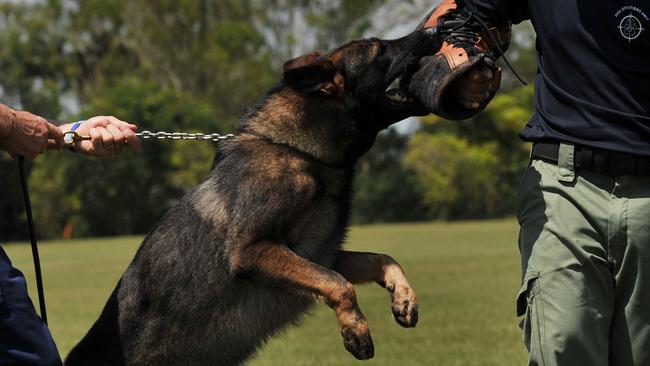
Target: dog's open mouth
[
  {"x": 396, "y": 95},
  {"x": 397, "y": 98}
]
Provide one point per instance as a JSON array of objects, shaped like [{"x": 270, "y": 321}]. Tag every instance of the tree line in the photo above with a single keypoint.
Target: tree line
[{"x": 196, "y": 65}]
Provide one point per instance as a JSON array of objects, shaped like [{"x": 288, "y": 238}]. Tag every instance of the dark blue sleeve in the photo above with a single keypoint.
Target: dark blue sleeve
[{"x": 501, "y": 11}]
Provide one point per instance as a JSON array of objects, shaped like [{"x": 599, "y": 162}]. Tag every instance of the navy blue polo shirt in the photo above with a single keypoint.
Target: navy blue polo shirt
[{"x": 593, "y": 83}]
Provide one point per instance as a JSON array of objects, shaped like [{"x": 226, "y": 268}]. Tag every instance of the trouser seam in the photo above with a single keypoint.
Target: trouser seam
[{"x": 542, "y": 328}]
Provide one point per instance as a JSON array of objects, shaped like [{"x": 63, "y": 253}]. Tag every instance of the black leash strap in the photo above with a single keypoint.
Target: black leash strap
[{"x": 32, "y": 236}]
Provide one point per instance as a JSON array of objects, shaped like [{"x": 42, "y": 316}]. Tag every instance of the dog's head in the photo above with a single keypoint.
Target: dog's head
[{"x": 357, "y": 78}]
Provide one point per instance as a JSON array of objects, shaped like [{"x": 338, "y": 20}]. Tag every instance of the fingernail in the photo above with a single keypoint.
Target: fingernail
[{"x": 475, "y": 105}]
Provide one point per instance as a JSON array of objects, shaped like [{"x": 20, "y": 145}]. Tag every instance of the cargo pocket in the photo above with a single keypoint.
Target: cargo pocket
[
  {"x": 527, "y": 289},
  {"x": 530, "y": 306}
]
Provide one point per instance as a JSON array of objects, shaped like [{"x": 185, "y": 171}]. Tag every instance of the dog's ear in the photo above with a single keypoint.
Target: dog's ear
[
  {"x": 311, "y": 73},
  {"x": 302, "y": 60}
]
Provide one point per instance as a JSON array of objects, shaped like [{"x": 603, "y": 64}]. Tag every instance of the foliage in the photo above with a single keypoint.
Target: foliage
[
  {"x": 459, "y": 179},
  {"x": 294, "y": 27},
  {"x": 12, "y": 222},
  {"x": 471, "y": 169},
  {"x": 384, "y": 190}
]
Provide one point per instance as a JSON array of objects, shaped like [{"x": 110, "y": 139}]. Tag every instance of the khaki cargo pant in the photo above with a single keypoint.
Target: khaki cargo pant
[{"x": 585, "y": 250}]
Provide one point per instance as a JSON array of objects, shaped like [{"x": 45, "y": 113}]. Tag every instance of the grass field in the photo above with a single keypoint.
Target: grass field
[{"x": 466, "y": 276}]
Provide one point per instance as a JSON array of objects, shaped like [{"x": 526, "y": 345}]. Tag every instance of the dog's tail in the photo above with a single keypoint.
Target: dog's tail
[{"x": 101, "y": 346}]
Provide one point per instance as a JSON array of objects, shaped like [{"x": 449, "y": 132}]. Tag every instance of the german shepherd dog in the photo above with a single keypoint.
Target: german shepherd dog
[{"x": 249, "y": 250}]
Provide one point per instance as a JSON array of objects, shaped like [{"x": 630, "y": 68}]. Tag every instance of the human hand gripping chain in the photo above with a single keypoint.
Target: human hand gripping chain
[
  {"x": 25, "y": 134},
  {"x": 100, "y": 136}
]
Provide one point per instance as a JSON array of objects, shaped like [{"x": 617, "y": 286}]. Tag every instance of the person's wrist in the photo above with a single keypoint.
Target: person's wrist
[
  {"x": 70, "y": 135},
  {"x": 8, "y": 120}
]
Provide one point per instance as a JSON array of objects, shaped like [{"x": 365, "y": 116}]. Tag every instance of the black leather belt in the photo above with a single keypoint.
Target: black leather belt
[{"x": 602, "y": 161}]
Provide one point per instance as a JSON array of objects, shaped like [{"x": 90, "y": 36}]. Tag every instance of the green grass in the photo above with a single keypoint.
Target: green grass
[{"x": 465, "y": 274}]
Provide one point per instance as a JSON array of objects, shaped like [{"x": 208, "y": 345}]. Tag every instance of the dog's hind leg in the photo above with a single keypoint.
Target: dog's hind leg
[
  {"x": 359, "y": 267},
  {"x": 277, "y": 264}
]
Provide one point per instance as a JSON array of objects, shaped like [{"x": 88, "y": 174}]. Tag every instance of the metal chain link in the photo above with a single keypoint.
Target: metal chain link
[{"x": 183, "y": 136}]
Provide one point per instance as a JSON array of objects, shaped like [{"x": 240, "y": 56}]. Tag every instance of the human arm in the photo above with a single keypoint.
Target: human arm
[
  {"x": 501, "y": 11},
  {"x": 7, "y": 121},
  {"x": 26, "y": 134}
]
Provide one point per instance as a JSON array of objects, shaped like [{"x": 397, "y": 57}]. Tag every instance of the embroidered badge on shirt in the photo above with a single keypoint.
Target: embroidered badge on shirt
[{"x": 631, "y": 22}]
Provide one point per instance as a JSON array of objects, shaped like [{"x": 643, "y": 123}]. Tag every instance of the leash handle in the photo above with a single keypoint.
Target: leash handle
[{"x": 32, "y": 236}]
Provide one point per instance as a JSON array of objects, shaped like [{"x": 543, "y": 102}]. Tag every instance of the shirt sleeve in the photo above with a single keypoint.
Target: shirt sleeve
[{"x": 501, "y": 11}]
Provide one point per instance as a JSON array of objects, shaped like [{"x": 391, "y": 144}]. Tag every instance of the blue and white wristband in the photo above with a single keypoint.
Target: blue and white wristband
[{"x": 70, "y": 137}]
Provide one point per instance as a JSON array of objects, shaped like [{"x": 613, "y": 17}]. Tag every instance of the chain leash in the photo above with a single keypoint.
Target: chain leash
[
  {"x": 72, "y": 136},
  {"x": 146, "y": 135}
]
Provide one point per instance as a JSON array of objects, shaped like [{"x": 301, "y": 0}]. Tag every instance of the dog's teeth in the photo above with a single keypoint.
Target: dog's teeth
[{"x": 399, "y": 98}]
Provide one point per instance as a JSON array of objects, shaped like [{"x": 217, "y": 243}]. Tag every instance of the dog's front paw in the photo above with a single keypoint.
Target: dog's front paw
[
  {"x": 404, "y": 305},
  {"x": 357, "y": 340}
]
